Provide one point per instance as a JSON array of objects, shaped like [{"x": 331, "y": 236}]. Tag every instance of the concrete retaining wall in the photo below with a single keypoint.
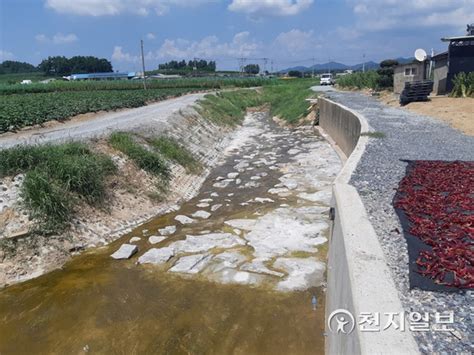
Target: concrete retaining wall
[
  {"x": 359, "y": 279},
  {"x": 343, "y": 127}
]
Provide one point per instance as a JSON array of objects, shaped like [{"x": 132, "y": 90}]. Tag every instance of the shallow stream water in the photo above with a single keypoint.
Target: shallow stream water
[{"x": 240, "y": 277}]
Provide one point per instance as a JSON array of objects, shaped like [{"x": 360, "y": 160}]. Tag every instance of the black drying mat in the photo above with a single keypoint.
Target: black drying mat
[{"x": 415, "y": 246}]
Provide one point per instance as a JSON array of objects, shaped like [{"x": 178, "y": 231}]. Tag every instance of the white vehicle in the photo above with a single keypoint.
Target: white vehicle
[
  {"x": 327, "y": 79},
  {"x": 26, "y": 82}
]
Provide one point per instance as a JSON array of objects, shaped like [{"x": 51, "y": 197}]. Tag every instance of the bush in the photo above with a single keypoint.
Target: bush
[
  {"x": 359, "y": 80},
  {"x": 463, "y": 85}
]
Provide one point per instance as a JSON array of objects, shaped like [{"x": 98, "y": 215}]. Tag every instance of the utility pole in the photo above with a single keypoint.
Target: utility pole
[
  {"x": 314, "y": 63},
  {"x": 265, "y": 62},
  {"x": 143, "y": 66},
  {"x": 363, "y": 63},
  {"x": 271, "y": 62},
  {"x": 241, "y": 64}
]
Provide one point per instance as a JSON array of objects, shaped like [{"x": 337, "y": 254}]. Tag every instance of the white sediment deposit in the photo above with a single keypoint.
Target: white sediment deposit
[{"x": 271, "y": 223}]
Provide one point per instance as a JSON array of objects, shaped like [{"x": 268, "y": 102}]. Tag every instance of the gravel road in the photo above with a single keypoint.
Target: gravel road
[
  {"x": 409, "y": 136},
  {"x": 102, "y": 124}
]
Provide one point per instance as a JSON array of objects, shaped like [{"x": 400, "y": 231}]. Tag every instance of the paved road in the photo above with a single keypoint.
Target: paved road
[
  {"x": 323, "y": 88},
  {"x": 102, "y": 124}
]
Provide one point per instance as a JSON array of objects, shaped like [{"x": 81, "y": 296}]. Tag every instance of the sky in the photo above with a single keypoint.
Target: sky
[{"x": 287, "y": 32}]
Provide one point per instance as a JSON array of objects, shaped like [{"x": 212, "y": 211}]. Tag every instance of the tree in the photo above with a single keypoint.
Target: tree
[
  {"x": 385, "y": 79},
  {"x": 12, "y": 67},
  {"x": 61, "y": 65},
  {"x": 252, "y": 69},
  {"x": 295, "y": 74},
  {"x": 199, "y": 65}
]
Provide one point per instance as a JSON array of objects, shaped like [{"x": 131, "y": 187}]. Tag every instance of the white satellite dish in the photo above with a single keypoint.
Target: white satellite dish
[{"x": 420, "y": 55}]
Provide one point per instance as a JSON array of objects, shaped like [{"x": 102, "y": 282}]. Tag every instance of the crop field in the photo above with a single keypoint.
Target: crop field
[
  {"x": 26, "y": 105},
  {"x": 17, "y": 111},
  {"x": 193, "y": 83}
]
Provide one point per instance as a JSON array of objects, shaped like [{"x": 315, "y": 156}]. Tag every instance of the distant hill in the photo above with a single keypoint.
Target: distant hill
[{"x": 371, "y": 65}]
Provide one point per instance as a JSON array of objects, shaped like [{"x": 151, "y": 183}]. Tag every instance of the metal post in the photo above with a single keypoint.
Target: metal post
[{"x": 143, "y": 66}]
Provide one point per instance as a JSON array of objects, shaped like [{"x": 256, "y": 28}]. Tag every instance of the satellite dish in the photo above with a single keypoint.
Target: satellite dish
[{"x": 420, "y": 55}]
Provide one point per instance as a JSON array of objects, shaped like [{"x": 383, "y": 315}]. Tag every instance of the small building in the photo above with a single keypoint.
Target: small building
[
  {"x": 460, "y": 56},
  {"x": 415, "y": 71},
  {"x": 440, "y": 73}
]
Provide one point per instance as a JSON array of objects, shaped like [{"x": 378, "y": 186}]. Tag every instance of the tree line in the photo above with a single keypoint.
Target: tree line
[
  {"x": 59, "y": 66},
  {"x": 199, "y": 65}
]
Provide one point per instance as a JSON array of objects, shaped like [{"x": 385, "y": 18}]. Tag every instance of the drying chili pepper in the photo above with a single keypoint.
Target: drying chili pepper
[{"x": 437, "y": 198}]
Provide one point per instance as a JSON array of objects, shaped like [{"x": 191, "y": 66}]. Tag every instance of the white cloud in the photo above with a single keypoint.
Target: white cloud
[
  {"x": 150, "y": 36},
  {"x": 117, "y": 7},
  {"x": 391, "y": 14},
  {"x": 58, "y": 38},
  {"x": 270, "y": 7},
  {"x": 119, "y": 55},
  {"x": 5, "y": 55},
  {"x": 296, "y": 41},
  {"x": 208, "y": 47}
]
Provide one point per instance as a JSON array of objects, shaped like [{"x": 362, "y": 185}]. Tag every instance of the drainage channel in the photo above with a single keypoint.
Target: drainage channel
[{"x": 240, "y": 268}]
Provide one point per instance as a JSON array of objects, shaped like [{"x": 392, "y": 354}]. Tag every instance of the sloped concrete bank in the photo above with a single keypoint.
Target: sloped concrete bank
[
  {"x": 359, "y": 279},
  {"x": 131, "y": 193}
]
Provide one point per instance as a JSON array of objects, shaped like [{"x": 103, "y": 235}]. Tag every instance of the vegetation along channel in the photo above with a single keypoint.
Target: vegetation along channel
[{"x": 238, "y": 268}]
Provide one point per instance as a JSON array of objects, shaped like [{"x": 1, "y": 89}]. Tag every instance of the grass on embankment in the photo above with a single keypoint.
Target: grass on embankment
[
  {"x": 58, "y": 177},
  {"x": 145, "y": 159},
  {"x": 174, "y": 151},
  {"x": 55, "y": 177},
  {"x": 286, "y": 99}
]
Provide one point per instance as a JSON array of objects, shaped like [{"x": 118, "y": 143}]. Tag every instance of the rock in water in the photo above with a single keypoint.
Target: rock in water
[
  {"x": 167, "y": 230},
  {"x": 191, "y": 264},
  {"x": 201, "y": 214},
  {"x": 125, "y": 251},
  {"x": 184, "y": 219},
  {"x": 155, "y": 239},
  {"x": 156, "y": 256}
]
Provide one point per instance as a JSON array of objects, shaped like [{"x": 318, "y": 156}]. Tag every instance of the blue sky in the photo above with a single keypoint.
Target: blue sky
[{"x": 289, "y": 32}]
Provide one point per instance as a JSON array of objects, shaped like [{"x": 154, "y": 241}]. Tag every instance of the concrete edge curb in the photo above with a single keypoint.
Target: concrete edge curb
[{"x": 359, "y": 279}]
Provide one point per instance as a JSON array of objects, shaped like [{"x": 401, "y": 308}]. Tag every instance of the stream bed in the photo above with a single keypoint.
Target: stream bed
[{"x": 236, "y": 269}]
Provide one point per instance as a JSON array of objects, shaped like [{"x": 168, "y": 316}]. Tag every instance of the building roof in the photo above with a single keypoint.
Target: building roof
[
  {"x": 440, "y": 55},
  {"x": 102, "y": 75},
  {"x": 448, "y": 39}
]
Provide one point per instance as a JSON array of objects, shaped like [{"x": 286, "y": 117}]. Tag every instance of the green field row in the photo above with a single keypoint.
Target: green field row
[
  {"x": 194, "y": 83},
  {"x": 17, "y": 111}
]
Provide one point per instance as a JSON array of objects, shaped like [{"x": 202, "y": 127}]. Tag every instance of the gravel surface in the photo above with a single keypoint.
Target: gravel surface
[{"x": 409, "y": 136}]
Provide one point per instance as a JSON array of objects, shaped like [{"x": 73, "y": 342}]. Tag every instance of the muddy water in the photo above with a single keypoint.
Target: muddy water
[{"x": 251, "y": 296}]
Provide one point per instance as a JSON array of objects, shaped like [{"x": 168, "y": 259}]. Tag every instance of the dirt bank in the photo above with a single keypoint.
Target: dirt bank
[
  {"x": 132, "y": 199},
  {"x": 457, "y": 112}
]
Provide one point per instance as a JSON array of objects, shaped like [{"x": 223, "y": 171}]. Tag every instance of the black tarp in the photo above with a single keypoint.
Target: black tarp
[{"x": 415, "y": 246}]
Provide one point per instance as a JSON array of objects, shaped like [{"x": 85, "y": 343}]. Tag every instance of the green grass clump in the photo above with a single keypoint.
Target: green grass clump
[
  {"x": 145, "y": 159},
  {"x": 47, "y": 202},
  {"x": 228, "y": 108},
  {"x": 56, "y": 177},
  {"x": 286, "y": 98},
  {"x": 172, "y": 150}
]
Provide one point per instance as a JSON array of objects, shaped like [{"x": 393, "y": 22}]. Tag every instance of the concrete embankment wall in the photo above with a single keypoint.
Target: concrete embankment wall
[{"x": 359, "y": 279}]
